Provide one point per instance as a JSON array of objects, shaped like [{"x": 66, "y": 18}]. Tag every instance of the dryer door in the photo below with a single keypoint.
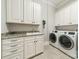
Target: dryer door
[
  {"x": 66, "y": 42},
  {"x": 52, "y": 37}
]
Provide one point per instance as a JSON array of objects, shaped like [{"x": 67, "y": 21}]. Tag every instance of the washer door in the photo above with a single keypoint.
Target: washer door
[
  {"x": 66, "y": 42},
  {"x": 52, "y": 37}
]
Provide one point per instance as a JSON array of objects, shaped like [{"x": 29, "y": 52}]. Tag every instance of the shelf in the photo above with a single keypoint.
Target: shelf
[
  {"x": 22, "y": 23},
  {"x": 68, "y": 25},
  {"x": 71, "y": 27}
]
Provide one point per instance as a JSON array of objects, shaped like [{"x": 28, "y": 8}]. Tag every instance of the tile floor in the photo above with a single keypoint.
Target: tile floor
[{"x": 52, "y": 53}]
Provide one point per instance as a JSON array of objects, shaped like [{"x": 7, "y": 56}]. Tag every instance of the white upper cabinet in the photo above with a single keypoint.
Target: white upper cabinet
[
  {"x": 24, "y": 11},
  {"x": 67, "y": 15},
  {"x": 74, "y": 13},
  {"x": 32, "y": 11},
  {"x": 14, "y": 10},
  {"x": 62, "y": 17},
  {"x": 37, "y": 11},
  {"x": 28, "y": 11},
  {"x": 29, "y": 48}
]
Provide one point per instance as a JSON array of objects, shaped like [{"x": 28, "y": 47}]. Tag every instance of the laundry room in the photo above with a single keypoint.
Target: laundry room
[{"x": 39, "y": 29}]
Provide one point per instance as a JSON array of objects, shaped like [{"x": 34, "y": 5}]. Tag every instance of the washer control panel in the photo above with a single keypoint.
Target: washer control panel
[{"x": 71, "y": 33}]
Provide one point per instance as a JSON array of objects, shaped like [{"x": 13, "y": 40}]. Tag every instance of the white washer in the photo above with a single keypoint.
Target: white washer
[
  {"x": 53, "y": 38},
  {"x": 67, "y": 42}
]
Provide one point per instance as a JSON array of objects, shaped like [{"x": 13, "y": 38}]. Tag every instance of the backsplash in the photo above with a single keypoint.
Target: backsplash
[{"x": 67, "y": 27}]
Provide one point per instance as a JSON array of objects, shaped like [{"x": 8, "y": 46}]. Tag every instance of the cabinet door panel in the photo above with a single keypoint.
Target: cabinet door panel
[
  {"x": 29, "y": 48},
  {"x": 15, "y": 56},
  {"x": 39, "y": 46},
  {"x": 12, "y": 51},
  {"x": 28, "y": 11},
  {"x": 67, "y": 15},
  {"x": 37, "y": 11},
  {"x": 14, "y": 10},
  {"x": 74, "y": 13}
]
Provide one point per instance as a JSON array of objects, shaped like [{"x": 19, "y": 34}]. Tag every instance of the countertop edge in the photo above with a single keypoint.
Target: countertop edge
[{"x": 4, "y": 38}]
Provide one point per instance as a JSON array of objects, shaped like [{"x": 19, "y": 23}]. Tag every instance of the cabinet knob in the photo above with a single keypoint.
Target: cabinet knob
[
  {"x": 22, "y": 20},
  {"x": 13, "y": 40},
  {"x": 33, "y": 22},
  {"x": 14, "y": 45},
  {"x": 17, "y": 58},
  {"x": 34, "y": 41},
  {"x": 13, "y": 51},
  {"x": 70, "y": 22}
]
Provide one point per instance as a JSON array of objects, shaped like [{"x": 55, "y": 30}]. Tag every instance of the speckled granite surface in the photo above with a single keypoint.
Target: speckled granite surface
[{"x": 19, "y": 34}]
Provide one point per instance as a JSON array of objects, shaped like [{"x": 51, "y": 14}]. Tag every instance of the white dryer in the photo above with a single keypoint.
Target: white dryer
[
  {"x": 68, "y": 43},
  {"x": 53, "y": 38}
]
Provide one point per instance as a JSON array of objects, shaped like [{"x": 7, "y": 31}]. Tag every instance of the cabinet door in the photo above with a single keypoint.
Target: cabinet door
[
  {"x": 29, "y": 48},
  {"x": 61, "y": 17},
  {"x": 28, "y": 11},
  {"x": 14, "y": 10},
  {"x": 14, "y": 56},
  {"x": 37, "y": 11},
  {"x": 39, "y": 45},
  {"x": 74, "y": 13}
]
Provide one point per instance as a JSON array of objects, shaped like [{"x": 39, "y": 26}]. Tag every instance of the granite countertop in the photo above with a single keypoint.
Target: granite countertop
[{"x": 21, "y": 34}]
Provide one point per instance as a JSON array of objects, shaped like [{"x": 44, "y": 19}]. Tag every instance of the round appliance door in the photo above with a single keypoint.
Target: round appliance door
[
  {"x": 66, "y": 42},
  {"x": 52, "y": 37}
]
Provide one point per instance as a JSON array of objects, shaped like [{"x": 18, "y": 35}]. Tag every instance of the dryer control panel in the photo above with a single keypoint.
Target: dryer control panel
[{"x": 71, "y": 33}]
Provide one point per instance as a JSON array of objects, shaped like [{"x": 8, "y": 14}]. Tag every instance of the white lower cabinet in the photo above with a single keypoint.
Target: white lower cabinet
[
  {"x": 29, "y": 48},
  {"x": 22, "y": 48},
  {"x": 15, "y": 56},
  {"x": 12, "y": 48},
  {"x": 39, "y": 46},
  {"x": 33, "y": 46},
  {"x": 12, "y": 51}
]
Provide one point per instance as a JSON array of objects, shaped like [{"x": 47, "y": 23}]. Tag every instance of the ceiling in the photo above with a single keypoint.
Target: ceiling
[{"x": 58, "y": 3}]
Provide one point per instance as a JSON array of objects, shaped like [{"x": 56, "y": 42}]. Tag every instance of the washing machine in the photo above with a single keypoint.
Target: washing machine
[
  {"x": 68, "y": 43},
  {"x": 53, "y": 38}
]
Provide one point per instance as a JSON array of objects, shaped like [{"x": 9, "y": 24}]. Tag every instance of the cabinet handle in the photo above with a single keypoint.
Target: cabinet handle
[
  {"x": 70, "y": 22},
  {"x": 14, "y": 45},
  {"x": 13, "y": 40},
  {"x": 33, "y": 22},
  {"x": 34, "y": 41},
  {"x": 22, "y": 20},
  {"x": 13, "y": 51},
  {"x": 16, "y": 58},
  {"x": 16, "y": 19}
]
